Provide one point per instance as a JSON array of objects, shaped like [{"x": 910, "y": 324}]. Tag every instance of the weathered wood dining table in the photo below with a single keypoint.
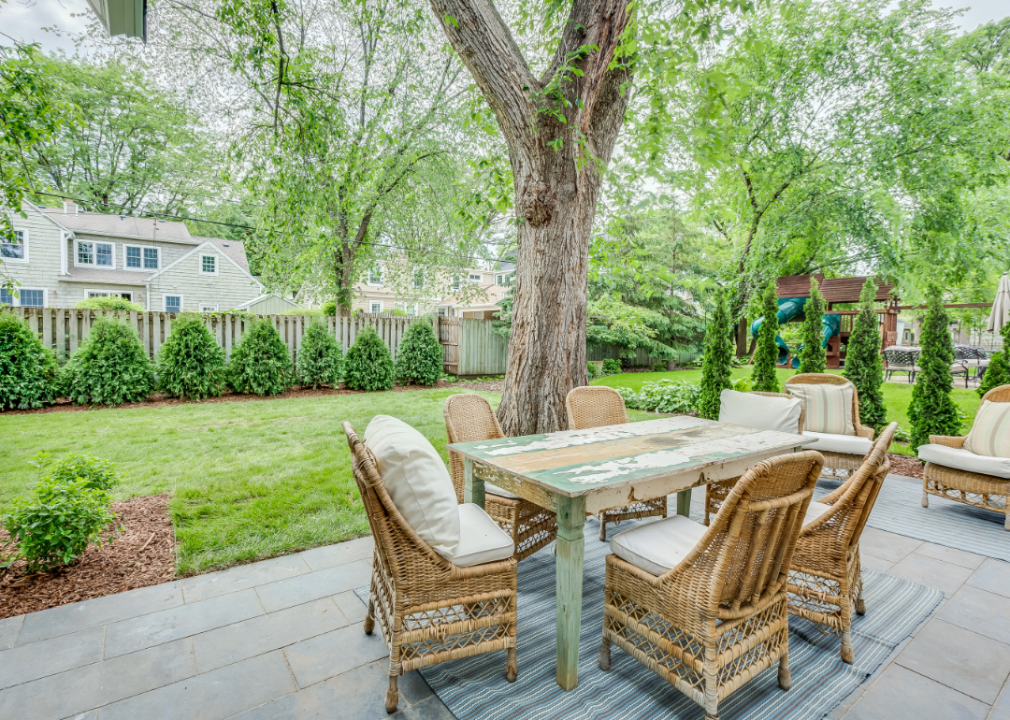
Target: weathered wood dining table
[{"x": 580, "y": 472}]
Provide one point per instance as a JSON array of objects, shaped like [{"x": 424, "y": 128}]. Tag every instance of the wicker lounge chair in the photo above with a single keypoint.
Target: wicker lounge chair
[
  {"x": 469, "y": 418},
  {"x": 596, "y": 406},
  {"x": 718, "y": 617},
  {"x": 428, "y": 609},
  {"x": 977, "y": 489},
  {"x": 717, "y": 492},
  {"x": 825, "y": 582},
  {"x": 837, "y": 462}
]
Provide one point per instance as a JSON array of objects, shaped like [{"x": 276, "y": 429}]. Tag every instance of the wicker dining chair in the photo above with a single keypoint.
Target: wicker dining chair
[
  {"x": 428, "y": 609},
  {"x": 825, "y": 581},
  {"x": 717, "y": 492},
  {"x": 838, "y": 462},
  {"x": 469, "y": 418},
  {"x": 596, "y": 406},
  {"x": 719, "y": 617}
]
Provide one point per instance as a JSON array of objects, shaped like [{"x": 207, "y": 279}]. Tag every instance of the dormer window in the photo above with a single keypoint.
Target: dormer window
[
  {"x": 95, "y": 254},
  {"x": 208, "y": 264}
]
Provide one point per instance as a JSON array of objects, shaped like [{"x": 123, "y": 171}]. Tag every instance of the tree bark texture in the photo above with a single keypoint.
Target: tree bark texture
[{"x": 556, "y": 186}]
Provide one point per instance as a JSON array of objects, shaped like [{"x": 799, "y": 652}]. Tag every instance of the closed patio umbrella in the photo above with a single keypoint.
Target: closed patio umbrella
[{"x": 1001, "y": 306}]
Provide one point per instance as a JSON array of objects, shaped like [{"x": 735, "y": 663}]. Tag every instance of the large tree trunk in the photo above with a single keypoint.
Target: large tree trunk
[{"x": 557, "y": 150}]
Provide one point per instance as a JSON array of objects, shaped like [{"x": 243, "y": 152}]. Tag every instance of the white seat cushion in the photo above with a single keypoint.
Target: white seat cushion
[
  {"x": 480, "y": 539},
  {"x": 990, "y": 433},
  {"x": 961, "y": 459},
  {"x": 490, "y": 489},
  {"x": 416, "y": 480},
  {"x": 658, "y": 546},
  {"x": 842, "y": 444},
  {"x": 759, "y": 411},
  {"x": 828, "y": 407},
  {"x": 814, "y": 511}
]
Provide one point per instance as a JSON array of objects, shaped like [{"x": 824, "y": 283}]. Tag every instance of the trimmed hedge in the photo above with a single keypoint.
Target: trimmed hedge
[
  {"x": 319, "y": 358},
  {"x": 110, "y": 367},
  {"x": 369, "y": 364},
  {"x": 260, "y": 363},
  {"x": 191, "y": 364},
  {"x": 419, "y": 360},
  {"x": 108, "y": 303},
  {"x": 27, "y": 367}
]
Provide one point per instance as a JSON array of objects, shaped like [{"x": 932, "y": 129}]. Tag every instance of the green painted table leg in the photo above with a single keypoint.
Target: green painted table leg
[
  {"x": 684, "y": 503},
  {"x": 569, "y": 556},
  {"x": 473, "y": 486}
]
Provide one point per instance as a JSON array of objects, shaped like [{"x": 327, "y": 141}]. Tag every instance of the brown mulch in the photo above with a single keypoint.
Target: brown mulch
[
  {"x": 142, "y": 555},
  {"x": 907, "y": 466}
]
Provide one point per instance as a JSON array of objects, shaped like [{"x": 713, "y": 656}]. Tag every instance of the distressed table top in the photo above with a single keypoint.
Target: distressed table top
[{"x": 581, "y": 462}]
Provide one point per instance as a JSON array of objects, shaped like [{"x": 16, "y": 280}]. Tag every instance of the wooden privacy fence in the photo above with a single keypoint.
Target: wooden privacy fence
[{"x": 471, "y": 347}]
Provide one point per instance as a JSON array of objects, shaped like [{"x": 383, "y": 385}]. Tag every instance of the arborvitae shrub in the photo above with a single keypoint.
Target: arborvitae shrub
[
  {"x": 369, "y": 364},
  {"x": 813, "y": 358},
  {"x": 718, "y": 360},
  {"x": 27, "y": 367},
  {"x": 260, "y": 363},
  {"x": 863, "y": 365},
  {"x": 419, "y": 359},
  {"x": 932, "y": 410},
  {"x": 110, "y": 367},
  {"x": 319, "y": 358},
  {"x": 766, "y": 357},
  {"x": 191, "y": 364},
  {"x": 998, "y": 372}
]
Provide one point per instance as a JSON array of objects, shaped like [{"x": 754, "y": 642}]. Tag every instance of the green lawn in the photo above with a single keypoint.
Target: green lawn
[{"x": 248, "y": 479}]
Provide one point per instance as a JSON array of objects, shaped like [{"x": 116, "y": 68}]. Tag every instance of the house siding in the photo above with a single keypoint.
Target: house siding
[
  {"x": 43, "y": 267},
  {"x": 229, "y": 288}
]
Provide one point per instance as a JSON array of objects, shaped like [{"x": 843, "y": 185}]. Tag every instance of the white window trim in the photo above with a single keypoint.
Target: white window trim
[
  {"x": 478, "y": 280},
  {"x": 142, "y": 269},
  {"x": 368, "y": 278},
  {"x": 164, "y": 301},
  {"x": 24, "y": 243},
  {"x": 95, "y": 264},
  {"x": 213, "y": 307},
  {"x": 217, "y": 264},
  {"x": 372, "y": 304},
  {"x": 17, "y": 300},
  {"x": 109, "y": 293}
]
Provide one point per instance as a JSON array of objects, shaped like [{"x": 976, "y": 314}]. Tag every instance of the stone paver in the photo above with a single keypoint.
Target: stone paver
[
  {"x": 48, "y": 657},
  {"x": 243, "y": 577},
  {"x": 340, "y": 554},
  {"x": 258, "y": 635},
  {"x": 984, "y": 612},
  {"x": 102, "y": 611},
  {"x": 319, "y": 584},
  {"x": 156, "y": 628},
  {"x": 900, "y": 693},
  {"x": 886, "y": 546},
  {"x": 334, "y": 653},
  {"x": 351, "y": 606},
  {"x": 993, "y": 576},
  {"x": 932, "y": 573},
  {"x": 9, "y": 629},
  {"x": 950, "y": 555}
]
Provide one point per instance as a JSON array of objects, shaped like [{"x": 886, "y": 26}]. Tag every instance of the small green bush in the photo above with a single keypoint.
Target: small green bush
[
  {"x": 57, "y": 524},
  {"x": 27, "y": 367},
  {"x": 419, "y": 360},
  {"x": 96, "y": 473},
  {"x": 659, "y": 366},
  {"x": 591, "y": 370},
  {"x": 330, "y": 308},
  {"x": 108, "y": 303},
  {"x": 260, "y": 363},
  {"x": 369, "y": 364},
  {"x": 998, "y": 372},
  {"x": 665, "y": 396},
  {"x": 110, "y": 367},
  {"x": 319, "y": 358},
  {"x": 191, "y": 364},
  {"x": 611, "y": 366}
]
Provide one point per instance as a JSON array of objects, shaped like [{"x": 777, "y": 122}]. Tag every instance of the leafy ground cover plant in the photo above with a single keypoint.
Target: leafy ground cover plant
[
  {"x": 110, "y": 367},
  {"x": 419, "y": 359},
  {"x": 665, "y": 396},
  {"x": 319, "y": 358},
  {"x": 27, "y": 367},
  {"x": 369, "y": 364},
  {"x": 718, "y": 360},
  {"x": 260, "y": 363},
  {"x": 191, "y": 364},
  {"x": 611, "y": 366}
]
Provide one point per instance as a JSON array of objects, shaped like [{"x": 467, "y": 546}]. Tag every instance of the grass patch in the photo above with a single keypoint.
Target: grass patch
[{"x": 248, "y": 480}]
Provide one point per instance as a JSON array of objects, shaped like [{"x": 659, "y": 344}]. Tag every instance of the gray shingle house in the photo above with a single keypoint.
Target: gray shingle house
[{"x": 61, "y": 256}]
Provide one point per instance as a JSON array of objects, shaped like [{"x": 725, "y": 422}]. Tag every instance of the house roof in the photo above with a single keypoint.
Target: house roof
[
  {"x": 123, "y": 226},
  {"x": 106, "y": 277},
  {"x": 264, "y": 296}
]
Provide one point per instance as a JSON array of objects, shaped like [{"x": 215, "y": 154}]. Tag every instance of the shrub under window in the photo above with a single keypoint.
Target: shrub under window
[
  {"x": 419, "y": 359},
  {"x": 27, "y": 367},
  {"x": 191, "y": 364},
  {"x": 369, "y": 364},
  {"x": 110, "y": 367},
  {"x": 260, "y": 363}
]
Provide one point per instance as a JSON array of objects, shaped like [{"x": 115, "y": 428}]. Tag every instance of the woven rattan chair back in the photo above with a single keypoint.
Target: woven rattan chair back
[
  {"x": 594, "y": 406},
  {"x": 468, "y": 418},
  {"x": 748, "y": 548},
  {"x": 998, "y": 394}
]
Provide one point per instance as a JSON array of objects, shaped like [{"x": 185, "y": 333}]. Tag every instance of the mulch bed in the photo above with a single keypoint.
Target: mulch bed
[
  {"x": 142, "y": 555},
  {"x": 907, "y": 466}
]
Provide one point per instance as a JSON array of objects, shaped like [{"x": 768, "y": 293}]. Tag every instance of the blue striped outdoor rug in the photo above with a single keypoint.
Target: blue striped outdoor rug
[
  {"x": 945, "y": 522},
  {"x": 476, "y": 689}
]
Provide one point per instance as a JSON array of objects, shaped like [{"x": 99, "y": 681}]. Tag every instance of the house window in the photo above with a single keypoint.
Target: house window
[
  {"x": 142, "y": 258},
  {"x": 102, "y": 293},
  {"x": 173, "y": 303},
  {"x": 14, "y": 247},
  {"x": 376, "y": 307},
  {"x": 26, "y": 297},
  {"x": 455, "y": 282},
  {"x": 412, "y": 309},
  {"x": 475, "y": 277},
  {"x": 419, "y": 279},
  {"x": 208, "y": 264},
  {"x": 503, "y": 279},
  {"x": 441, "y": 312},
  {"x": 208, "y": 308},
  {"x": 96, "y": 254},
  {"x": 375, "y": 276}
]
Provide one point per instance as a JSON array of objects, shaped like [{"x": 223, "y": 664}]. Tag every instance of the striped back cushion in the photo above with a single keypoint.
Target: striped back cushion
[
  {"x": 828, "y": 407},
  {"x": 990, "y": 435}
]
